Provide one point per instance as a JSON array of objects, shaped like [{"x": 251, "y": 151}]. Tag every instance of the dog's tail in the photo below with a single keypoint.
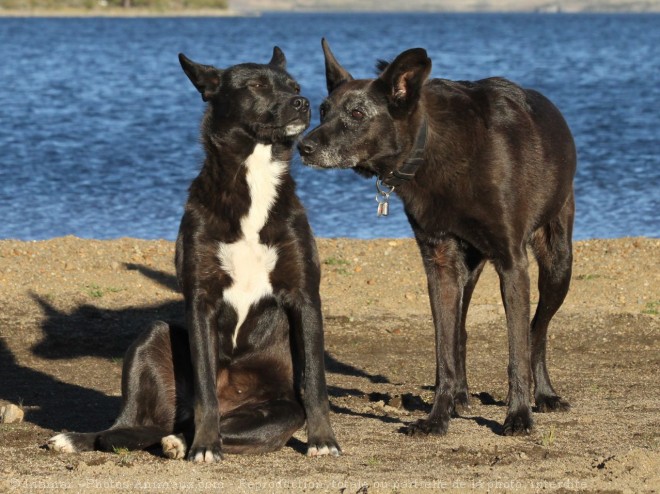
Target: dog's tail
[{"x": 131, "y": 438}]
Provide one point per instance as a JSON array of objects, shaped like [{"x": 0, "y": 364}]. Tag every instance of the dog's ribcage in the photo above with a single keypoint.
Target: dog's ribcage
[{"x": 247, "y": 261}]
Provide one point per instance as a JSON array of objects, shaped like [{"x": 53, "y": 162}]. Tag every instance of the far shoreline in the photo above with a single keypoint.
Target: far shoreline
[
  {"x": 137, "y": 12},
  {"x": 122, "y": 13}
]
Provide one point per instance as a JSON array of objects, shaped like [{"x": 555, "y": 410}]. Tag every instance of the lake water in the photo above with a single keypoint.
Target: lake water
[{"x": 99, "y": 125}]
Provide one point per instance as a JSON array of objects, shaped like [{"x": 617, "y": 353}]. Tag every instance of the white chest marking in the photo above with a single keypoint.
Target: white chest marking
[{"x": 247, "y": 261}]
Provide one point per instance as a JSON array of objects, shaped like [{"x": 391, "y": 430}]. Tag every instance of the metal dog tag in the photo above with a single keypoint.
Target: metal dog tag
[{"x": 383, "y": 197}]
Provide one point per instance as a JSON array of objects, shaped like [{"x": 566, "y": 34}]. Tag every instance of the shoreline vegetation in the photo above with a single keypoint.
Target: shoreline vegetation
[
  {"x": 116, "y": 12},
  {"x": 222, "y": 8},
  {"x": 114, "y": 8}
]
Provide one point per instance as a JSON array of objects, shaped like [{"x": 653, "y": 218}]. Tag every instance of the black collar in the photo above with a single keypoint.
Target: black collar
[{"x": 407, "y": 171}]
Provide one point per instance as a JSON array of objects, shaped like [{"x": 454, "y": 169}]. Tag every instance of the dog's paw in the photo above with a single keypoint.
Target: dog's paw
[
  {"x": 323, "y": 447},
  {"x": 461, "y": 403},
  {"x": 424, "y": 427},
  {"x": 62, "y": 443},
  {"x": 174, "y": 446},
  {"x": 554, "y": 403},
  {"x": 518, "y": 423},
  {"x": 206, "y": 454}
]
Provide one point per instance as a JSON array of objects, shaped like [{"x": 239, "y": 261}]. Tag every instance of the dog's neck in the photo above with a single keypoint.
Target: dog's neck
[
  {"x": 234, "y": 143},
  {"x": 403, "y": 173},
  {"x": 223, "y": 182},
  {"x": 406, "y": 172}
]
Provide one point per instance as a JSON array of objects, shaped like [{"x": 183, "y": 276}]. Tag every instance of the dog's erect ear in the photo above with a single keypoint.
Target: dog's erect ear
[
  {"x": 205, "y": 78},
  {"x": 405, "y": 76},
  {"x": 335, "y": 74},
  {"x": 278, "y": 60}
]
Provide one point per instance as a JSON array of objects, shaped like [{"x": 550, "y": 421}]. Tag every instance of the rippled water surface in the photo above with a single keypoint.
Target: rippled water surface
[{"x": 99, "y": 125}]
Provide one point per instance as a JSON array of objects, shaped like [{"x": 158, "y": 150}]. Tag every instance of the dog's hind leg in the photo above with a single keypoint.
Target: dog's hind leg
[
  {"x": 133, "y": 438},
  {"x": 553, "y": 250},
  {"x": 72, "y": 442},
  {"x": 156, "y": 388},
  {"x": 138, "y": 437},
  {"x": 514, "y": 285},
  {"x": 263, "y": 427},
  {"x": 155, "y": 380},
  {"x": 461, "y": 395}
]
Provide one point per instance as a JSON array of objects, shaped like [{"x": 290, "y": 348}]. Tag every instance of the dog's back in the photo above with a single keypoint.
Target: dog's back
[
  {"x": 491, "y": 142},
  {"x": 496, "y": 115}
]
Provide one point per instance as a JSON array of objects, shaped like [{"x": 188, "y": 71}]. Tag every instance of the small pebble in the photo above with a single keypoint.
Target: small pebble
[{"x": 11, "y": 414}]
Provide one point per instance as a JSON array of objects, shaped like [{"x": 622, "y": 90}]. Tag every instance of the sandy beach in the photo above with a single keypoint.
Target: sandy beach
[{"x": 70, "y": 307}]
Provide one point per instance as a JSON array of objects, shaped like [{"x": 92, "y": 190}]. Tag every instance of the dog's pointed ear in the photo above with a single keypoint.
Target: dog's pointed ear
[
  {"x": 405, "y": 76},
  {"x": 335, "y": 74},
  {"x": 278, "y": 60},
  {"x": 205, "y": 78}
]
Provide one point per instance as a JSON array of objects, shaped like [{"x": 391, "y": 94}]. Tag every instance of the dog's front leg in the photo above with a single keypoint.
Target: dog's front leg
[
  {"x": 446, "y": 274},
  {"x": 514, "y": 285},
  {"x": 309, "y": 326},
  {"x": 206, "y": 446}
]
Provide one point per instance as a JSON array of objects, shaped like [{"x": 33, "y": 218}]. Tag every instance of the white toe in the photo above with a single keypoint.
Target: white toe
[
  {"x": 173, "y": 447},
  {"x": 61, "y": 443}
]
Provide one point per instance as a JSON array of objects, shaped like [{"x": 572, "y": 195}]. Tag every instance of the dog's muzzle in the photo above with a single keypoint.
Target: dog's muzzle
[
  {"x": 300, "y": 105},
  {"x": 307, "y": 147},
  {"x": 316, "y": 155}
]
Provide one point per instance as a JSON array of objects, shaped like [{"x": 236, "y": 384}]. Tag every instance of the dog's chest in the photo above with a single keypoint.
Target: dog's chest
[{"x": 247, "y": 261}]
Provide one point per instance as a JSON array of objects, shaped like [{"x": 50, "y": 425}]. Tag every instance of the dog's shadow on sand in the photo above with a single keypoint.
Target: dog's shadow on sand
[{"x": 89, "y": 331}]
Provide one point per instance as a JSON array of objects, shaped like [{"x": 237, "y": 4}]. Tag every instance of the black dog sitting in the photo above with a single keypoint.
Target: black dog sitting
[
  {"x": 484, "y": 169},
  {"x": 248, "y": 267}
]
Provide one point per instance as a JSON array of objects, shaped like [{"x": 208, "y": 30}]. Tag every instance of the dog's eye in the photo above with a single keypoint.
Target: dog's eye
[
  {"x": 322, "y": 112},
  {"x": 357, "y": 114},
  {"x": 296, "y": 88},
  {"x": 258, "y": 85}
]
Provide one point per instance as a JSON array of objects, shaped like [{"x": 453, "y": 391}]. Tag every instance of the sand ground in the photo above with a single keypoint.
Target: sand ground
[{"x": 70, "y": 307}]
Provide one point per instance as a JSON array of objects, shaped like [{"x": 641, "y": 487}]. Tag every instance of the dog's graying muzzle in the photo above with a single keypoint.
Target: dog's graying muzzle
[{"x": 300, "y": 103}]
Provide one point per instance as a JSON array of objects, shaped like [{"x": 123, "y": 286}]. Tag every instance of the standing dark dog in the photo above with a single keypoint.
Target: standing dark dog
[
  {"x": 248, "y": 266},
  {"x": 484, "y": 169}
]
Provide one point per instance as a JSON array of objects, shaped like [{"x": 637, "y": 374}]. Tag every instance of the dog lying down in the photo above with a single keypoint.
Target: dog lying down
[
  {"x": 247, "y": 371},
  {"x": 484, "y": 169}
]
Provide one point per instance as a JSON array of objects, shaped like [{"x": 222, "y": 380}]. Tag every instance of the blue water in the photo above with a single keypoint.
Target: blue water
[{"x": 99, "y": 125}]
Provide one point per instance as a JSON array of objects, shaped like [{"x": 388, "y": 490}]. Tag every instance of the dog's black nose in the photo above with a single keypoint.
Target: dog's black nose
[
  {"x": 306, "y": 147},
  {"x": 301, "y": 104}
]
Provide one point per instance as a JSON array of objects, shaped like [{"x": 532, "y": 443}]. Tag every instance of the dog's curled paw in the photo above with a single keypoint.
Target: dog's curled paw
[
  {"x": 328, "y": 447},
  {"x": 206, "y": 454},
  {"x": 61, "y": 443},
  {"x": 518, "y": 423},
  {"x": 547, "y": 404},
  {"x": 174, "y": 446},
  {"x": 424, "y": 427}
]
